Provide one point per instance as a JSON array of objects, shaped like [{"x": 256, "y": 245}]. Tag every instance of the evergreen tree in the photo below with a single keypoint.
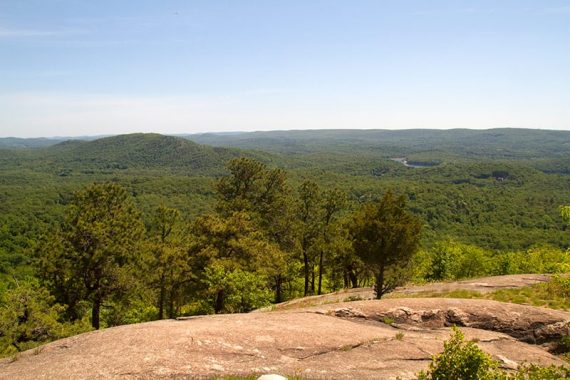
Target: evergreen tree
[
  {"x": 28, "y": 316},
  {"x": 264, "y": 195},
  {"x": 226, "y": 249},
  {"x": 386, "y": 236},
  {"x": 308, "y": 216},
  {"x": 168, "y": 263},
  {"x": 94, "y": 256},
  {"x": 333, "y": 203}
]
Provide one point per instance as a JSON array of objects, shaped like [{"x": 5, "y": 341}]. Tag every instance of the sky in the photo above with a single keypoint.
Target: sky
[{"x": 84, "y": 67}]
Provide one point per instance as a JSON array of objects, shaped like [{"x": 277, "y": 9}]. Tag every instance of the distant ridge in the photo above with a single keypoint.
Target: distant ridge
[
  {"x": 17, "y": 142},
  {"x": 496, "y": 143},
  {"x": 39, "y": 142},
  {"x": 151, "y": 149},
  {"x": 142, "y": 150}
]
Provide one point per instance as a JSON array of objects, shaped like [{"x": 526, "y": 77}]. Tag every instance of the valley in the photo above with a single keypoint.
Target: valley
[{"x": 223, "y": 228}]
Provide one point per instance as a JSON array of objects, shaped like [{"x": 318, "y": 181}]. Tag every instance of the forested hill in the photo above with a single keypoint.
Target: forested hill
[
  {"x": 16, "y": 142},
  {"x": 506, "y": 143},
  {"x": 486, "y": 200},
  {"x": 140, "y": 151},
  {"x": 270, "y": 220},
  {"x": 144, "y": 150},
  {"x": 503, "y": 143}
]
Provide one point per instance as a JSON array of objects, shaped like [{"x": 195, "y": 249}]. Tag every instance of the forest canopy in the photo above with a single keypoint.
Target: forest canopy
[{"x": 91, "y": 243}]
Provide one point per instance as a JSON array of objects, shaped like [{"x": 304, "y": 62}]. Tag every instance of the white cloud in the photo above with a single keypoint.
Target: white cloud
[
  {"x": 558, "y": 10},
  {"x": 454, "y": 11},
  {"x": 15, "y": 33}
]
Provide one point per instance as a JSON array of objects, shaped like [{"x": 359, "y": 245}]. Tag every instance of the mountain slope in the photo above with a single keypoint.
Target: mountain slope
[
  {"x": 146, "y": 150},
  {"x": 16, "y": 142},
  {"x": 138, "y": 151}
]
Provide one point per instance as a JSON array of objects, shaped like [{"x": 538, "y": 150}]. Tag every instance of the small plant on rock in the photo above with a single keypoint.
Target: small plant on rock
[
  {"x": 353, "y": 298},
  {"x": 460, "y": 360},
  {"x": 388, "y": 321}
]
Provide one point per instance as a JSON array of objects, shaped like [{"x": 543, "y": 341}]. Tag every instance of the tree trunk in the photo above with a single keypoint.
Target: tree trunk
[
  {"x": 333, "y": 279},
  {"x": 278, "y": 288},
  {"x": 306, "y": 271},
  {"x": 320, "y": 272},
  {"x": 219, "y": 304},
  {"x": 379, "y": 286},
  {"x": 161, "y": 298},
  {"x": 312, "y": 279},
  {"x": 95, "y": 311},
  {"x": 171, "y": 310},
  {"x": 352, "y": 276}
]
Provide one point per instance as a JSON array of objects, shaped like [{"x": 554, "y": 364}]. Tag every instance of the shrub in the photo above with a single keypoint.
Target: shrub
[
  {"x": 560, "y": 285},
  {"x": 241, "y": 291},
  {"x": 460, "y": 360},
  {"x": 534, "y": 372}
]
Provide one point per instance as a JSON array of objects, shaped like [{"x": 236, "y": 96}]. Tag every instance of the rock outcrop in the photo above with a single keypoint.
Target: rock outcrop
[
  {"x": 481, "y": 285},
  {"x": 341, "y": 341},
  {"x": 525, "y": 323}
]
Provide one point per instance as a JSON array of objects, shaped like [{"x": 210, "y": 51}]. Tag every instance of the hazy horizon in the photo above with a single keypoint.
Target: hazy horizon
[
  {"x": 76, "y": 68},
  {"x": 93, "y": 137}
]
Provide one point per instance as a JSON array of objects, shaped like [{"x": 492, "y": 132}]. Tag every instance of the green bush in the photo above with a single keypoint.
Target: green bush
[
  {"x": 451, "y": 260},
  {"x": 462, "y": 360},
  {"x": 560, "y": 285},
  {"x": 535, "y": 260},
  {"x": 241, "y": 291},
  {"x": 534, "y": 372},
  {"x": 29, "y": 317}
]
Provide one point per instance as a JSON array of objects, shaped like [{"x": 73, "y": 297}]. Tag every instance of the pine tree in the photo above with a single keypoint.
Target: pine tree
[
  {"x": 386, "y": 236},
  {"x": 94, "y": 256}
]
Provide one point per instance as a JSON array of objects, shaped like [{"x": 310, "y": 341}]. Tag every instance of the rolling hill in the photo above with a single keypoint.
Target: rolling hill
[
  {"x": 504, "y": 143},
  {"x": 135, "y": 151}
]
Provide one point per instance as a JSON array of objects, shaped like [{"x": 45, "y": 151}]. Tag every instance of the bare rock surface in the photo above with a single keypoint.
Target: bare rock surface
[
  {"x": 342, "y": 341},
  {"x": 528, "y": 324},
  {"x": 481, "y": 285}
]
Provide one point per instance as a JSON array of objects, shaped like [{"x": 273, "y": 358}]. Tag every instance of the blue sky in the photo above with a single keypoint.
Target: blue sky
[{"x": 73, "y": 67}]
